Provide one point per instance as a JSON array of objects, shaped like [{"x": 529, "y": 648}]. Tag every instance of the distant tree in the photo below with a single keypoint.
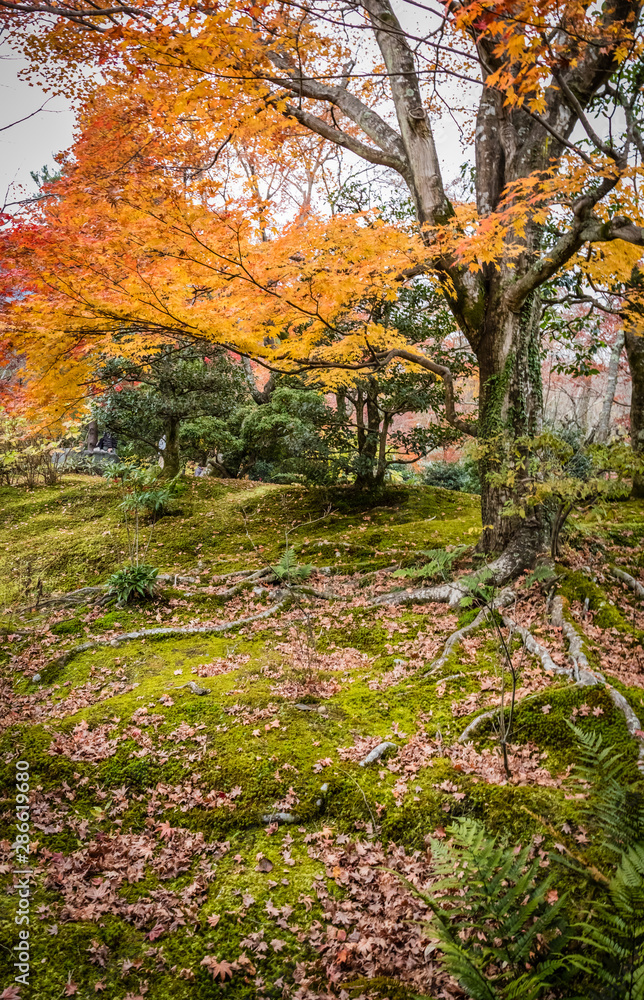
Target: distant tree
[
  {"x": 152, "y": 400},
  {"x": 361, "y": 434},
  {"x": 365, "y": 424}
]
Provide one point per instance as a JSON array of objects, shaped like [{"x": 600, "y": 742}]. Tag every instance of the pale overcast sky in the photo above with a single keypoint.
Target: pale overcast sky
[{"x": 31, "y": 144}]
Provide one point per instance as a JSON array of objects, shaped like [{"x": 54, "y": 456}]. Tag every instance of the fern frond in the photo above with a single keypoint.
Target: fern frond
[
  {"x": 615, "y": 929},
  {"x": 499, "y": 935},
  {"x": 612, "y": 809}
]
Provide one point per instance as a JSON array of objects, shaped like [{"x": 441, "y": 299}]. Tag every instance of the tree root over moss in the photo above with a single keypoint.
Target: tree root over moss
[
  {"x": 629, "y": 580},
  {"x": 74, "y": 598},
  {"x": 146, "y": 633},
  {"x": 579, "y": 671},
  {"x": 580, "y": 665},
  {"x": 587, "y": 677},
  {"x": 521, "y": 554},
  {"x": 505, "y": 597}
]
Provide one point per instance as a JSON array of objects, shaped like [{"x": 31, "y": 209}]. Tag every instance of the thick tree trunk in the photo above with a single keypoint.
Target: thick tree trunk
[
  {"x": 92, "y": 435},
  {"x": 171, "y": 462},
  {"x": 603, "y": 428},
  {"x": 510, "y": 407},
  {"x": 367, "y": 438},
  {"x": 634, "y": 340}
]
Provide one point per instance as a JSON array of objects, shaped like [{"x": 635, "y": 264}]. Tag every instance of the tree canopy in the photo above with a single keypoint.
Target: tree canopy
[{"x": 177, "y": 210}]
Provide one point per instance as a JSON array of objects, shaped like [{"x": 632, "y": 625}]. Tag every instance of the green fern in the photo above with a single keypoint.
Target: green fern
[
  {"x": 615, "y": 814},
  {"x": 288, "y": 568},
  {"x": 438, "y": 566},
  {"x": 611, "y": 938},
  {"x": 499, "y": 926},
  {"x": 613, "y": 933}
]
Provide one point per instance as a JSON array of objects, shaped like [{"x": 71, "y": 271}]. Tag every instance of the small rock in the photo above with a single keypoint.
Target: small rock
[
  {"x": 114, "y": 642},
  {"x": 196, "y": 689},
  {"x": 318, "y": 802},
  {"x": 36, "y": 678},
  {"x": 320, "y": 709},
  {"x": 324, "y": 787},
  {"x": 400, "y": 663},
  {"x": 377, "y": 752},
  {"x": 279, "y": 817}
]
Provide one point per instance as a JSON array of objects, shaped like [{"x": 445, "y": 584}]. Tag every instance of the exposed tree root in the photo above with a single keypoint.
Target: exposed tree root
[
  {"x": 217, "y": 580},
  {"x": 146, "y": 633},
  {"x": 491, "y": 714},
  {"x": 377, "y": 753},
  {"x": 505, "y": 597},
  {"x": 72, "y": 599},
  {"x": 579, "y": 671},
  {"x": 629, "y": 580},
  {"x": 472, "y": 726},
  {"x": 535, "y": 648},
  {"x": 520, "y": 554},
  {"x": 587, "y": 677},
  {"x": 238, "y": 588},
  {"x": 580, "y": 665}
]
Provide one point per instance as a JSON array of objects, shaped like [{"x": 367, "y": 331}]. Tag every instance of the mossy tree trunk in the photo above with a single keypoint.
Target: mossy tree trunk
[
  {"x": 510, "y": 407},
  {"x": 634, "y": 340},
  {"x": 171, "y": 459}
]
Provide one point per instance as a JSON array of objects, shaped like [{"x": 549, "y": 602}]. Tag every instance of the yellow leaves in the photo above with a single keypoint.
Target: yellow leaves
[{"x": 165, "y": 265}]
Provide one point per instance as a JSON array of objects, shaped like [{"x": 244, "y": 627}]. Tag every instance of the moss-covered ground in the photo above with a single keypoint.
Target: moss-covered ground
[{"x": 195, "y": 845}]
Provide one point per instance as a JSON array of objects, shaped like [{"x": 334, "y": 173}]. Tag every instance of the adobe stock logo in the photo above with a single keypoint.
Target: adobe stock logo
[{"x": 22, "y": 873}]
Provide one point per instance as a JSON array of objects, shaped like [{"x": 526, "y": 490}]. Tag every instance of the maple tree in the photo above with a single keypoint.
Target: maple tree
[{"x": 268, "y": 77}]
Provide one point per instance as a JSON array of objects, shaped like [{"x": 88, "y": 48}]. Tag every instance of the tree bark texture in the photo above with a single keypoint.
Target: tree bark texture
[
  {"x": 510, "y": 407},
  {"x": 368, "y": 437},
  {"x": 171, "y": 460},
  {"x": 603, "y": 428},
  {"x": 634, "y": 340},
  {"x": 92, "y": 435}
]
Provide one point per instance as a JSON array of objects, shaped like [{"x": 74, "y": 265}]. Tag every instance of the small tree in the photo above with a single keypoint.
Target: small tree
[{"x": 149, "y": 400}]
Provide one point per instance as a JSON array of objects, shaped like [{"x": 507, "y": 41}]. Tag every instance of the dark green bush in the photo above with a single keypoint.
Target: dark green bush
[
  {"x": 133, "y": 583},
  {"x": 461, "y": 476}
]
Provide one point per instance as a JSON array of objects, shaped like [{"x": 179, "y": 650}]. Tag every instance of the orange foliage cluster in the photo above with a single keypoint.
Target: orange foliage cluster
[{"x": 172, "y": 214}]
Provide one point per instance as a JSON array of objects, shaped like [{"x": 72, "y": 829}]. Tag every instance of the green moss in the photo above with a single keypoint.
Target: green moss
[
  {"x": 71, "y": 534},
  {"x": 578, "y": 587},
  {"x": 549, "y": 731},
  {"x": 379, "y": 987},
  {"x": 70, "y": 627},
  {"x": 363, "y": 530}
]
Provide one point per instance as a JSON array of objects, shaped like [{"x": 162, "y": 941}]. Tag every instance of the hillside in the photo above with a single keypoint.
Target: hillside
[{"x": 228, "y": 839}]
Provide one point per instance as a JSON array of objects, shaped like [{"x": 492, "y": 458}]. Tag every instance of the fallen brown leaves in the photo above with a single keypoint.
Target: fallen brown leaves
[
  {"x": 525, "y": 762},
  {"x": 84, "y": 744},
  {"x": 377, "y": 926},
  {"x": 89, "y": 880}
]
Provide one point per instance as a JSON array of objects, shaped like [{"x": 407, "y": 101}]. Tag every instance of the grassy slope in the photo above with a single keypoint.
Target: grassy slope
[{"x": 70, "y": 535}]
